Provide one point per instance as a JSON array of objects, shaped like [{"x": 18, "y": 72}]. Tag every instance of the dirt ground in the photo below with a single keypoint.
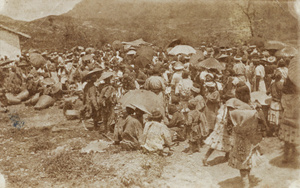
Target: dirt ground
[{"x": 48, "y": 151}]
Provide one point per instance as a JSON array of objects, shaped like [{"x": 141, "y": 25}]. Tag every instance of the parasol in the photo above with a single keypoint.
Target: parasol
[
  {"x": 37, "y": 60},
  {"x": 173, "y": 43},
  {"x": 257, "y": 41},
  {"x": 48, "y": 81},
  {"x": 288, "y": 51},
  {"x": 90, "y": 49},
  {"x": 210, "y": 63},
  {"x": 117, "y": 45},
  {"x": 274, "y": 45},
  {"x": 195, "y": 58},
  {"x": 147, "y": 99},
  {"x": 260, "y": 96},
  {"x": 294, "y": 69},
  {"x": 182, "y": 49},
  {"x": 141, "y": 62},
  {"x": 146, "y": 51}
]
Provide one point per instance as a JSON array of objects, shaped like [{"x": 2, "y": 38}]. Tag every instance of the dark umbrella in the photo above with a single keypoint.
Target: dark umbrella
[
  {"x": 210, "y": 63},
  {"x": 195, "y": 58},
  {"x": 37, "y": 60},
  {"x": 173, "y": 43},
  {"x": 143, "y": 98},
  {"x": 274, "y": 45},
  {"x": 117, "y": 45},
  {"x": 294, "y": 69},
  {"x": 141, "y": 62},
  {"x": 288, "y": 51},
  {"x": 257, "y": 41}
]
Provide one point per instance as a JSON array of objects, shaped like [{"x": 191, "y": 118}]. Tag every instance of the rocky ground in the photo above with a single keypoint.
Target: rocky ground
[{"x": 50, "y": 151}]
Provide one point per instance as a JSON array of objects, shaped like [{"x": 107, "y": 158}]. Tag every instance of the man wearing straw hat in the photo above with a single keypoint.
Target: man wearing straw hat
[
  {"x": 90, "y": 97},
  {"x": 107, "y": 101}
]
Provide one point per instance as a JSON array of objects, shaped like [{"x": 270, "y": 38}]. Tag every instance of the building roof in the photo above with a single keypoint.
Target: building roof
[{"x": 15, "y": 32}]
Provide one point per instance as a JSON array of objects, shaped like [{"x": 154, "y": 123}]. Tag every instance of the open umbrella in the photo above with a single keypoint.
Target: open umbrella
[
  {"x": 37, "y": 60},
  {"x": 90, "y": 49},
  {"x": 294, "y": 69},
  {"x": 260, "y": 96},
  {"x": 87, "y": 57},
  {"x": 288, "y": 51},
  {"x": 182, "y": 49},
  {"x": 173, "y": 43},
  {"x": 146, "y": 51},
  {"x": 147, "y": 99},
  {"x": 210, "y": 63},
  {"x": 195, "y": 58},
  {"x": 274, "y": 45},
  {"x": 257, "y": 41},
  {"x": 141, "y": 62},
  {"x": 117, "y": 45}
]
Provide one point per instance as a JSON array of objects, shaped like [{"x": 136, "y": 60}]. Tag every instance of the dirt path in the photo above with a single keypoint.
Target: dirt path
[{"x": 47, "y": 152}]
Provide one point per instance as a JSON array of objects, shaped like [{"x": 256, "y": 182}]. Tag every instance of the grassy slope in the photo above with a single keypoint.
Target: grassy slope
[{"x": 97, "y": 22}]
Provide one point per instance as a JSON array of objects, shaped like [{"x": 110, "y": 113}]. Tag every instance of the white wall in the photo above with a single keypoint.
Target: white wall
[{"x": 9, "y": 44}]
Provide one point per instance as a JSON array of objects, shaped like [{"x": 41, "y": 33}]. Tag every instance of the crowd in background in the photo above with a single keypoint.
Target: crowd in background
[{"x": 202, "y": 105}]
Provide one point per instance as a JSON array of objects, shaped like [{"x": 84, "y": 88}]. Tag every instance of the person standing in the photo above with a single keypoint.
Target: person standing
[
  {"x": 243, "y": 118},
  {"x": 275, "y": 111},
  {"x": 260, "y": 75},
  {"x": 107, "y": 101},
  {"x": 220, "y": 138},
  {"x": 196, "y": 127},
  {"x": 289, "y": 126},
  {"x": 91, "y": 106},
  {"x": 212, "y": 98}
]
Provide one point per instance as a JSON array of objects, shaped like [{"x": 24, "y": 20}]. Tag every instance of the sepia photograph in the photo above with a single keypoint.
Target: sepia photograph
[{"x": 149, "y": 93}]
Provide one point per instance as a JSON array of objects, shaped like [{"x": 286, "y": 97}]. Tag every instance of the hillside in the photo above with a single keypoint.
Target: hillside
[{"x": 94, "y": 23}]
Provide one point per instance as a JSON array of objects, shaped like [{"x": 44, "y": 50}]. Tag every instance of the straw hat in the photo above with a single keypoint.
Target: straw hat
[
  {"x": 155, "y": 114},
  {"x": 178, "y": 66},
  {"x": 210, "y": 84},
  {"x": 106, "y": 75},
  {"x": 238, "y": 58},
  {"x": 271, "y": 59},
  {"x": 95, "y": 71},
  {"x": 196, "y": 90}
]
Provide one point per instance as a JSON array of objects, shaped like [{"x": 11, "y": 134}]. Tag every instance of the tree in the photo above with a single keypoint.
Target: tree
[{"x": 248, "y": 9}]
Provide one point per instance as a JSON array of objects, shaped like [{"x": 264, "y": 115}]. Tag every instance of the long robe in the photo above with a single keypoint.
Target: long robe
[{"x": 212, "y": 106}]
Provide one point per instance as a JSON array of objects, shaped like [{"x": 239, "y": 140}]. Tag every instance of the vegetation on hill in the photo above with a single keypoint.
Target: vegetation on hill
[{"x": 94, "y": 23}]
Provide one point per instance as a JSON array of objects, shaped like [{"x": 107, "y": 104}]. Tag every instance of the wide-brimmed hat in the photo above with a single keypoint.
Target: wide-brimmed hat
[
  {"x": 192, "y": 104},
  {"x": 155, "y": 114},
  {"x": 23, "y": 64},
  {"x": 141, "y": 108},
  {"x": 260, "y": 97},
  {"x": 178, "y": 66},
  {"x": 93, "y": 72},
  {"x": 237, "y": 58},
  {"x": 106, "y": 75},
  {"x": 195, "y": 89},
  {"x": 209, "y": 74},
  {"x": 271, "y": 59},
  {"x": 210, "y": 84},
  {"x": 223, "y": 56}
]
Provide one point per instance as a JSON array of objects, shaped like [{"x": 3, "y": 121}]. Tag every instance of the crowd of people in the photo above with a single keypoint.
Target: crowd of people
[{"x": 202, "y": 105}]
